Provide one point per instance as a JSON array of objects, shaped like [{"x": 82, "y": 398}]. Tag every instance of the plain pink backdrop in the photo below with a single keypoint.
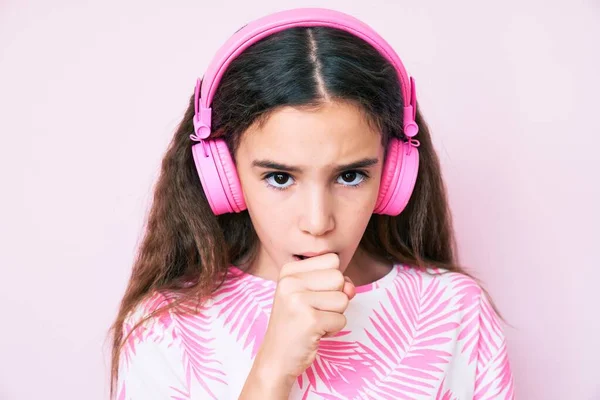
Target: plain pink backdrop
[{"x": 91, "y": 91}]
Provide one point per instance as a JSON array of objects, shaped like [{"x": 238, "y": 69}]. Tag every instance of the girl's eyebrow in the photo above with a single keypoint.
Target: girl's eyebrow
[{"x": 269, "y": 164}]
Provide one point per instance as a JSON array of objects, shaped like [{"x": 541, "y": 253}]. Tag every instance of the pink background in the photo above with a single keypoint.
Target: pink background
[{"x": 91, "y": 91}]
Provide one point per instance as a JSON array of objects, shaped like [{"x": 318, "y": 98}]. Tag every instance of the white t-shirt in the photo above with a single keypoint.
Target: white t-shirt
[{"x": 410, "y": 335}]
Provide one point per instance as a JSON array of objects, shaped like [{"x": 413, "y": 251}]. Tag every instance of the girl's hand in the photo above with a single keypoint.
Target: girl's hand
[{"x": 310, "y": 299}]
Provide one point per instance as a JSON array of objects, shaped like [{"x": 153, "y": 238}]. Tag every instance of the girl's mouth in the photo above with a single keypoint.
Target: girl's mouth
[{"x": 300, "y": 257}]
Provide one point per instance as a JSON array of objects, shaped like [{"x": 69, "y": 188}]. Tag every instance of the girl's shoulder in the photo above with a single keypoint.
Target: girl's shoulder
[
  {"x": 441, "y": 279},
  {"x": 150, "y": 318},
  {"x": 442, "y": 288},
  {"x": 161, "y": 314}
]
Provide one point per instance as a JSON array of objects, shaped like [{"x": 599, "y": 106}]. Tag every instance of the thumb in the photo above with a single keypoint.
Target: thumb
[{"x": 349, "y": 288}]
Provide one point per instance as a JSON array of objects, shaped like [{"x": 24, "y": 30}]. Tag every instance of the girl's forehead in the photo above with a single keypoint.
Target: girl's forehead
[
  {"x": 330, "y": 122},
  {"x": 311, "y": 140}
]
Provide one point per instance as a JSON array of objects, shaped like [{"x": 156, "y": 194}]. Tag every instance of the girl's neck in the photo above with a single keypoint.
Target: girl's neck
[{"x": 364, "y": 268}]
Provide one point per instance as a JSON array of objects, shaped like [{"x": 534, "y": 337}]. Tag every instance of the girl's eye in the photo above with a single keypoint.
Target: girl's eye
[
  {"x": 278, "y": 180},
  {"x": 352, "y": 178},
  {"x": 281, "y": 180}
]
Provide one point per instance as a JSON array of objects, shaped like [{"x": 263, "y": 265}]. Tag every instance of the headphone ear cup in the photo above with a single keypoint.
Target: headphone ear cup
[
  {"x": 218, "y": 176},
  {"x": 229, "y": 176},
  {"x": 398, "y": 178}
]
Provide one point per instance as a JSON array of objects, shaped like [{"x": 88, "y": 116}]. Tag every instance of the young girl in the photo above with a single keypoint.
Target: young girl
[{"x": 299, "y": 243}]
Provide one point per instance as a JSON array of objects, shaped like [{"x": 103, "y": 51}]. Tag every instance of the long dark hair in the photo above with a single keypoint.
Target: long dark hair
[{"x": 186, "y": 248}]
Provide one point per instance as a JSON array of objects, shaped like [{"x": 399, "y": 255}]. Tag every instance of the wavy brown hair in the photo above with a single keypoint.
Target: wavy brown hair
[{"x": 186, "y": 248}]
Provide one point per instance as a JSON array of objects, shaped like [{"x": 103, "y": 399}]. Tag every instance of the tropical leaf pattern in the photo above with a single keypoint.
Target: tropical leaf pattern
[
  {"x": 338, "y": 366},
  {"x": 245, "y": 307},
  {"x": 418, "y": 335}
]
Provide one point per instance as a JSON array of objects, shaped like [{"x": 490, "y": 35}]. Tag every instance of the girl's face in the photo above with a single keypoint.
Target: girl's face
[{"x": 310, "y": 180}]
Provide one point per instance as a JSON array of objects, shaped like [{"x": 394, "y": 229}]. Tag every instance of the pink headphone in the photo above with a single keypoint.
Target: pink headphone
[{"x": 213, "y": 161}]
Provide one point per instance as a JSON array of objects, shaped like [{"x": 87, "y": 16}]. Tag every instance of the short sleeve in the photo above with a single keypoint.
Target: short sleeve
[
  {"x": 494, "y": 379},
  {"x": 151, "y": 361}
]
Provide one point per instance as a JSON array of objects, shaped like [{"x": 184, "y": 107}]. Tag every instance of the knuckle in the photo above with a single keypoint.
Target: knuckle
[
  {"x": 342, "y": 300},
  {"x": 342, "y": 321},
  {"x": 295, "y": 301},
  {"x": 337, "y": 278},
  {"x": 335, "y": 259},
  {"x": 287, "y": 285},
  {"x": 285, "y": 269},
  {"x": 312, "y": 320}
]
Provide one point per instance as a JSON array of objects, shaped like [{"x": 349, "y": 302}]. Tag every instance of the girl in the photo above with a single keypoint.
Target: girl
[{"x": 299, "y": 243}]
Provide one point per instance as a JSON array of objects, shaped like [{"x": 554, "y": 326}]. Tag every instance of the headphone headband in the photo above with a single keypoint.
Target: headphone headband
[{"x": 273, "y": 23}]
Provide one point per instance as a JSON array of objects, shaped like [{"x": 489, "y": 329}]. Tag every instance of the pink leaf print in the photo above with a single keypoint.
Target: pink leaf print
[
  {"x": 152, "y": 329},
  {"x": 494, "y": 378},
  {"x": 490, "y": 337},
  {"x": 340, "y": 366},
  {"x": 149, "y": 328},
  {"x": 405, "y": 342},
  {"x": 180, "y": 394},
  {"x": 122, "y": 393},
  {"x": 447, "y": 395},
  {"x": 199, "y": 356},
  {"x": 468, "y": 295},
  {"x": 329, "y": 396},
  {"x": 483, "y": 340},
  {"x": 495, "y": 381},
  {"x": 246, "y": 307}
]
